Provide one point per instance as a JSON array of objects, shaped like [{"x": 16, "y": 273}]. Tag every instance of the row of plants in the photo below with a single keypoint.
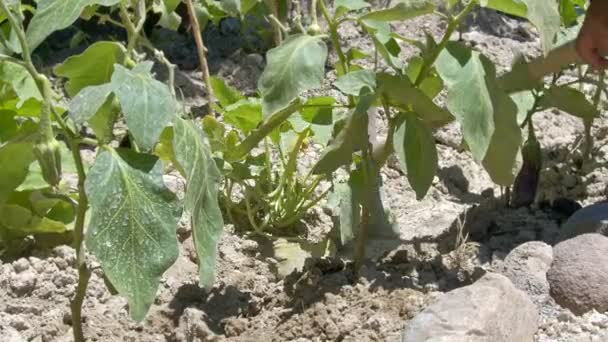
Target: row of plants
[{"x": 241, "y": 164}]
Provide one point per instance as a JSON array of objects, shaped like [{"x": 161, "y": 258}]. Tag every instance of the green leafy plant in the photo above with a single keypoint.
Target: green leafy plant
[
  {"x": 120, "y": 210},
  {"x": 133, "y": 216}
]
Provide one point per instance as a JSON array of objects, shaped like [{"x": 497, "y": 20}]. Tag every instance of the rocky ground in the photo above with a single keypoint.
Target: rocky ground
[{"x": 461, "y": 256}]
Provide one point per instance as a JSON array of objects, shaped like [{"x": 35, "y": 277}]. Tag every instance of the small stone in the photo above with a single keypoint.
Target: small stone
[
  {"x": 21, "y": 265},
  {"x": 579, "y": 273},
  {"x": 23, "y": 283},
  {"x": 526, "y": 266}
]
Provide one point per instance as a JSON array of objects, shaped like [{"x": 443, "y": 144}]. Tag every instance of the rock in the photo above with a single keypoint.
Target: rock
[
  {"x": 578, "y": 277},
  {"x": 21, "y": 265},
  {"x": 526, "y": 266},
  {"x": 590, "y": 219},
  {"x": 10, "y": 335},
  {"x": 23, "y": 283},
  {"x": 491, "y": 309},
  {"x": 192, "y": 327}
]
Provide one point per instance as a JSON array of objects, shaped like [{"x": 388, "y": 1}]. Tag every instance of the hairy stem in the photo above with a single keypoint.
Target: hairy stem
[
  {"x": 201, "y": 50},
  {"x": 133, "y": 30}
]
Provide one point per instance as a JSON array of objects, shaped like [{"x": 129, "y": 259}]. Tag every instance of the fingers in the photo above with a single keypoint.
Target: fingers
[{"x": 589, "y": 51}]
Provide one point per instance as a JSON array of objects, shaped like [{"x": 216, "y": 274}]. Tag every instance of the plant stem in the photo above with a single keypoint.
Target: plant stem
[
  {"x": 334, "y": 36},
  {"x": 133, "y": 30},
  {"x": 201, "y": 50},
  {"x": 274, "y": 11},
  {"x": 453, "y": 24},
  {"x": 83, "y": 272},
  {"x": 256, "y": 135}
]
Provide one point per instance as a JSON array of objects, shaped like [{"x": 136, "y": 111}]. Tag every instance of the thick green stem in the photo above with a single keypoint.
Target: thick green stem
[
  {"x": 368, "y": 181},
  {"x": 277, "y": 26}
]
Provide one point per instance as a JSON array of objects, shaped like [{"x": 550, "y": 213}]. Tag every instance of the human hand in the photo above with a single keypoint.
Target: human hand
[{"x": 592, "y": 41}]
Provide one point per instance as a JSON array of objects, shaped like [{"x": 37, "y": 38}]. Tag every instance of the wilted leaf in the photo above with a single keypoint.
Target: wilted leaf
[
  {"x": 147, "y": 104},
  {"x": 133, "y": 224},
  {"x": 203, "y": 181},
  {"x": 295, "y": 66},
  {"x": 94, "y": 66},
  {"x": 55, "y": 15},
  {"x": 291, "y": 256}
]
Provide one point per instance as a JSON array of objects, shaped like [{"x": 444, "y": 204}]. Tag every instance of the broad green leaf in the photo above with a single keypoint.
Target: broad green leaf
[
  {"x": 318, "y": 116},
  {"x": 8, "y": 125},
  {"x": 568, "y": 11},
  {"x": 354, "y": 81},
  {"x": 203, "y": 182},
  {"x": 20, "y": 81},
  {"x": 133, "y": 224},
  {"x": 500, "y": 160},
  {"x": 474, "y": 96},
  {"x": 15, "y": 159},
  {"x": 168, "y": 18},
  {"x": 403, "y": 10},
  {"x": 354, "y": 54},
  {"x": 400, "y": 92},
  {"x": 20, "y": 222},
  {"x": 215, "y": 132},
  {"x": 226, "y": 94},
  {"x": 351, "y": 138},
  {"x": 513, "y": 7},
  {"x": 295, "y": 66},
  {"x": 146, "y": 103},
  {"x": 417, "y": 154},
  {"x": 569, "y": 100},
  {"x": 55, "y": 15},
  {"x": 431, "y": 85},
  {"x": 524, "y": 100},
  {"x": 88, "y": 102},
  {"x": 244, "y": 115},
  {"x": 102, "y": 123},
  {"x": 545, "y": 16},
  {"x": 345, "y": 6},
  {"x": 389, "y": 49},
  {"x": 94, "y": 66}
]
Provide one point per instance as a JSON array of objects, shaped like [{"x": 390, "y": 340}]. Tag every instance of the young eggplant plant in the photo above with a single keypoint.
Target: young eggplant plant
[{"x": 133, "y": 216}]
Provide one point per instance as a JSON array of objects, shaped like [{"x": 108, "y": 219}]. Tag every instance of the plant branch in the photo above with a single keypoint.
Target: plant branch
[{"x": 201, "y": 50}]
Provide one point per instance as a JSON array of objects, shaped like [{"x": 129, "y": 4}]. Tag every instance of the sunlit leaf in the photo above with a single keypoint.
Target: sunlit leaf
[
  {"x": 133, "y": 224},
  {"x": 353, "y": 82},
  {"x": 147, "y": 104},
  {"x": 55, "y": 15},
  {"x": 403, "y": 10},
  {"x": 225, "y": 94},
  {"x": 295, "y": 66},
  {"x": 93, "y": 67}
]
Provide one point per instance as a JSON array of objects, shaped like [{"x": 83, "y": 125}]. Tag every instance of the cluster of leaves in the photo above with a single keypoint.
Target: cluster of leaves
[{"x": 129, "y": 214}]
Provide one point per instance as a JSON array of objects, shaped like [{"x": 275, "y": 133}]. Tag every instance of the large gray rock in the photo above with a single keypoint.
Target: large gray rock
[
  {"x": 491, "y": 309},
  {"x": 526, "y": 266},
  {"x": 578, "y": 276},
  {"x": 590, "y": 219}
]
